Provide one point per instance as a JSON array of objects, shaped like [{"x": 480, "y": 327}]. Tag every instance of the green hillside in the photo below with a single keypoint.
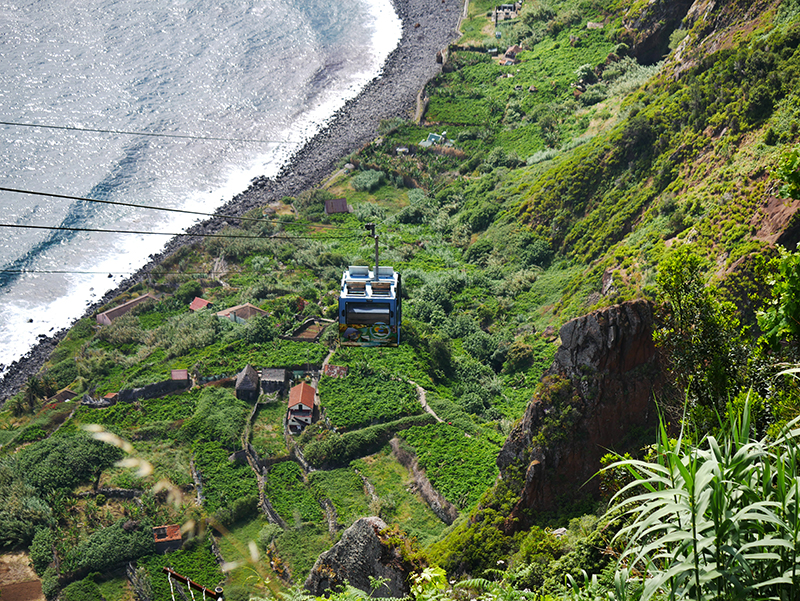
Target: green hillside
[{"x": 628, "y": 150}]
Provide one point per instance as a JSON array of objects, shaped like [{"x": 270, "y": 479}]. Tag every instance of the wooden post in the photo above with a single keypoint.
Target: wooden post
[{"x": 215, "y": 594}]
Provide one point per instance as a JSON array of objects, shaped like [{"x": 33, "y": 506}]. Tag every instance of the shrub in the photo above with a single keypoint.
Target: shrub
[
  {"x": 367, "y": 181},
  {"x": 240, "y": 509},
  {"x": 63, "y": 462},
  {"x": 110, "y": 547},
  {"x": 187, "y": 291},
  {"x": 83, "y": 590},
  {"x": 267, "y": 534},
  {"x": 340, "y": 449},
  {"x": 356, "y": 401},
  {"x": 289, "y": 495},
  {"x": 50, "y": 585},
  {"x": 41, "y": 549}
]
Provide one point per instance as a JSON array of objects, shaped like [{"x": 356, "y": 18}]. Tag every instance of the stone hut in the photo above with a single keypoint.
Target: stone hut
[
  {"x": 247, "y": 384},
  {"x": 167, "y": 538},
  {"x": 274, "y": 379}
]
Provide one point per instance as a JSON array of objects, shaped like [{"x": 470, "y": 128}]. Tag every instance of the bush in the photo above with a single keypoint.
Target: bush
[
  {"x": 187, "y": 291},
  {"x": 369, "y": 180},
  {"x": 340, "y": 449},
  {"x": 50, "y": 583},
  {"x": 267, "y": 534},
  {"x": 41, "y": 550},
  {"x": 83, "y": 590},
  {"x": 63, "y": 462},
  {"x": 241, "y": 509},
  {"x": 110, "y": 547}
]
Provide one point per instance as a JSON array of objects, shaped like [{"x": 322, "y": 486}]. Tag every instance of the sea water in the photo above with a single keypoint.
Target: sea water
[{"x": 259, "y": 76}]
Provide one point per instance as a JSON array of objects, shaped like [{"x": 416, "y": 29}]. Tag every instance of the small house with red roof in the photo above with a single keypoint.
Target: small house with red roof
[
  {"x": 302, "y": 403},
  {"x": 167, "y": 538},
  {"x": 180, "y": 375},
  {"x": 199, "y": 303}
]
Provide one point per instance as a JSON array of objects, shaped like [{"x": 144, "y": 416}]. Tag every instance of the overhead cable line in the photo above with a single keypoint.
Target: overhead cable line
[
  {"x": 130, "y": 204},
  {"x": 144, "y": 133},
  {"x": 166, "y": 209},
  {"x": 113, "y": 273},
  {"x": 182, "y": 234}
]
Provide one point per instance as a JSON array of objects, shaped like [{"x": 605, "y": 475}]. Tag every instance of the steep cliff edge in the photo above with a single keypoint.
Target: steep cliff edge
[
  {"x": 363, "y": 552},
  {"x": 597, "y": 396}
]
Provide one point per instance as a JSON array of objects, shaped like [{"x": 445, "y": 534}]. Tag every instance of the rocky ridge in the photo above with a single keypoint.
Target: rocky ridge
[
  {"x": 361, "y": 554},
  {"x": 596, "y": 397}
]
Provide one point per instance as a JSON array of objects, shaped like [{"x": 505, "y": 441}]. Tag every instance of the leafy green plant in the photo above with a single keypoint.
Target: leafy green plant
[
  {"x": 720, "y": 519},
  {"x": 363, "y": 399},
  {"x": 458, "y": 466},
  {"x": 289, "y": 495}
]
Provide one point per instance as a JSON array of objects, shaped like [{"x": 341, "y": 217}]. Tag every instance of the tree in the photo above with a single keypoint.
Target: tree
[
  {"x": 779, "y": 320},
  {"x": 697, "y": 333},
  {"x": 788, "y": 171}
]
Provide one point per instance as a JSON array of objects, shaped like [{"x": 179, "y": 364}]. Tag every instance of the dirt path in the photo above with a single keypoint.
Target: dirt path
[
  {"x": 18, "y": 582},
  {"x": 422, "y": 396}
]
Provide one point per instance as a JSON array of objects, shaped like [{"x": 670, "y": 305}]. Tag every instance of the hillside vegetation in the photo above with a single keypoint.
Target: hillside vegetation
[{"x": 628, "y": 150}]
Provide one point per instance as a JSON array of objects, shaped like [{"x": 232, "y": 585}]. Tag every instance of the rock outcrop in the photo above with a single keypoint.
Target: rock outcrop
[
  {"x": 597, "y": 396},
  {"x": 650, "y": 26},
  {"x": 361, "y": 553}
]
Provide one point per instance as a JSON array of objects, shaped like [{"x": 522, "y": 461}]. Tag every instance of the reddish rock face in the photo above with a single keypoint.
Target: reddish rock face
[{"x": 596, "y": 396}]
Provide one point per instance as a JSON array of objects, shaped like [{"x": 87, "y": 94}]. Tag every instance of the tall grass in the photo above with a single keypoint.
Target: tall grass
[{"x": 717, "y": 521}]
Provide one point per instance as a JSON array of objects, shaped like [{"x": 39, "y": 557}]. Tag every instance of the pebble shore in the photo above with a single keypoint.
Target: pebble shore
[{"x": 428, "y": 27}]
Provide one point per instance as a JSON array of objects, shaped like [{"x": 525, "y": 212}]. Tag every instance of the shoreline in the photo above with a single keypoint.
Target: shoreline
[{"x": 428, "y": 26}]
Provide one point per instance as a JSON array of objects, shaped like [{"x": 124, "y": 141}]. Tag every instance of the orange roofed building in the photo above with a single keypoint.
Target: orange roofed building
[
  {"x": 301, "y": 406},
  {"x": 199, "y": 303},
  {"x": 167, "y": 538}
]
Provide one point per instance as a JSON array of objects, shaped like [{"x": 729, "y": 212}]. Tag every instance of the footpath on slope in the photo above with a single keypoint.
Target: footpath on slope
[{"x": 428, "y": 27}]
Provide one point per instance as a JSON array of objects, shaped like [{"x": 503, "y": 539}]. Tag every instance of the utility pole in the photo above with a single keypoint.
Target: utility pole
[{"x": 371, "y": 228}]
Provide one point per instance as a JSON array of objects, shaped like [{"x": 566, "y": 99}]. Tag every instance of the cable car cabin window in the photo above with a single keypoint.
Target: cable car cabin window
[{"x": 368, "y": 313}]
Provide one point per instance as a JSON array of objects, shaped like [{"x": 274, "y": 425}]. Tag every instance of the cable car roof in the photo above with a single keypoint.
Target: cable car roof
[{"x": 359, "y": 282}]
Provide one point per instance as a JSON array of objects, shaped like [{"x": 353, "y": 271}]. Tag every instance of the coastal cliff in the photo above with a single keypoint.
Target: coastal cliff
[{"x": 597, "y": 396}]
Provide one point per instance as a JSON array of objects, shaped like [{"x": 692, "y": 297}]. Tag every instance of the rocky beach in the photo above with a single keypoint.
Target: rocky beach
[{"x": 428, "y": 27}]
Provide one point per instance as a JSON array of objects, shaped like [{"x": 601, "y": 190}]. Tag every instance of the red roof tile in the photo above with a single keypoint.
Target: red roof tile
[
  {"x": 167, "y": 533},
  {"x": 198, "y": 303},
  {"x": 302, "y": 394}
]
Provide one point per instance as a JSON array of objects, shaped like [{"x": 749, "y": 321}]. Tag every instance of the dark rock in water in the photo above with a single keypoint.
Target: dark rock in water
[
  {"x": 359, "y": 555},
  {"x": 597, "y": 396}
]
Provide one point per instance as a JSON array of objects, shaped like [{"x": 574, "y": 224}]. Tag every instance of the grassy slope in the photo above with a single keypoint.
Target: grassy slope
[{"x": 503, "y": 244}]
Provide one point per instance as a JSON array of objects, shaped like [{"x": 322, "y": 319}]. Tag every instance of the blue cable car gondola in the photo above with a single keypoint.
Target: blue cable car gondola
[{"x": 370, "y": 307}]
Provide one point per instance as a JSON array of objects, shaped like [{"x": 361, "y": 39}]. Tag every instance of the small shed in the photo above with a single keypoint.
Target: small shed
[
  {"x": 62, "y": 395},
  {"x": 199, "y": 303},
  {"x": 241, "y": 313},
  {"x": 106, "y": 317},
  {"x": 337, "y": 205},
  {"x": 247, "y": 384},
  {"x": 180, "y": 375},
  {"x": 301, "y": 406},
  {"x": 167, "y": 538},
  {"x": 274, "y": 379}
]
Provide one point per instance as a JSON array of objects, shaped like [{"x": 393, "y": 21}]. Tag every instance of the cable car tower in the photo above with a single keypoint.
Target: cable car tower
[{"x": 370, "y": 304}]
